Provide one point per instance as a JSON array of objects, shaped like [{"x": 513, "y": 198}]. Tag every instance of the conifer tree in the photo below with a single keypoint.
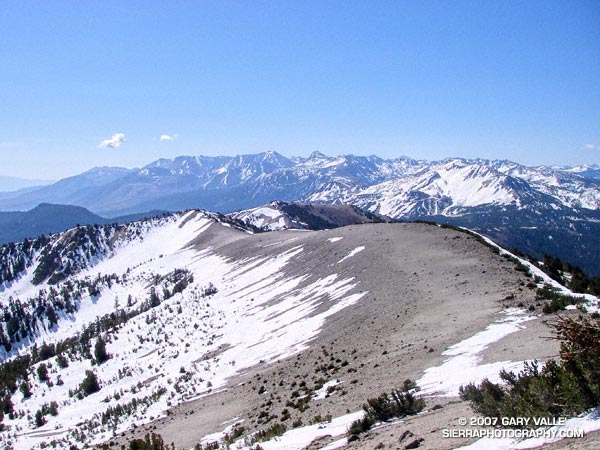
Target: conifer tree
[{"x": 100, "y": 351}]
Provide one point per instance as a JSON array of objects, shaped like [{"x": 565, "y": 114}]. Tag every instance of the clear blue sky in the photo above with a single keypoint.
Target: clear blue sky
[{"x": 507, "y": 79}]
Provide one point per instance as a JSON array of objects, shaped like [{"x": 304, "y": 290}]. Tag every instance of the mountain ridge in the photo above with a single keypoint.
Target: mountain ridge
[
  {"x": 452, "y": 190},
  {"x": 314, "y": 178},
  {"x": 48, "y": 218},
  {"x": 11, "y": 184}
]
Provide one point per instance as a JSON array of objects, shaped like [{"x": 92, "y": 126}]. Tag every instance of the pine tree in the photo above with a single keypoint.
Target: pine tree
[
  {"x": 51, "y": 316},
  {"x": 39, "y": 419},
  {"x": 90, "y": 384},
  {"x": 154, "y": 300},
  {"x": 25, "y": 389},
  {"x": 100, "y": 351},
  {"x": 42, "y": 372},
  {"x": 62, "y": 361}
]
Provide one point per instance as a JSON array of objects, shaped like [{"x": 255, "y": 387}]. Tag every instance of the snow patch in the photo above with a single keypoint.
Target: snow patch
[
  {"x": 320, "y": 394},
  {"x": 463, "y": 365},
  {"x": 352, "y": 253},
  {"x": 299, "y": 438}
]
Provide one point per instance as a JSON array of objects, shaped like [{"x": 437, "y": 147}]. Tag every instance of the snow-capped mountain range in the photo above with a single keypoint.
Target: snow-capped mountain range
[
  {"x": 562, "y": 203},
  {"x": 400, "y": 187}
]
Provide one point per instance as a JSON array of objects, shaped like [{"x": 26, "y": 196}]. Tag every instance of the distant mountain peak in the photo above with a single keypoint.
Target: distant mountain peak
[
  {"x": 56, "y": 207},
  {"x": 317, "y": 155}
]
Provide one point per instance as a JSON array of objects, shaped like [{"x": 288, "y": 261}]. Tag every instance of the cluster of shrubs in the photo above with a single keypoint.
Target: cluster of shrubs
[
  {"x": 555, "y": 301},
  {"x": 560, "y": 388},
  {"x": 396, "y": 405},
  {"x": 277, "y": 429},
  {"x": 88, "y": 386},
  {"x": 46, "y": 409},
  {"x": 113, "y": 414},
  {"x": 14, "y": 374}
]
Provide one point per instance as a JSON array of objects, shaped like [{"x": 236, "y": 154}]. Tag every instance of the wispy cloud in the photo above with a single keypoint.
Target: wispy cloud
[
  {"x": 167, "y": 137},
  {"x": 590, "y": 146},
  {"x": 113, "y": 142}
]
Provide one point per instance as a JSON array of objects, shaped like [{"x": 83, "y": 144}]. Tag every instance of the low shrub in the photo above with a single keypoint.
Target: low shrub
[{"x": 396, "y": 405}]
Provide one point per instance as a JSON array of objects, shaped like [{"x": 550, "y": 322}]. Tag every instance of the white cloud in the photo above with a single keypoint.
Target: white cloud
[
  {"x": 113, "y": 142},
  {"x": 590, "y": 147},
  {"x": 167, "y": 137}
]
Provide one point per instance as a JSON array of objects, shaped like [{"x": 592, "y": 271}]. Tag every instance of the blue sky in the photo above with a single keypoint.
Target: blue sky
[{"x": 511, "y": 79}]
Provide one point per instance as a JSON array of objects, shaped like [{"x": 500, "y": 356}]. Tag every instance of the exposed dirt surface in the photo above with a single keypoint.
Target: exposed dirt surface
[{"x": 427, "y": 289}]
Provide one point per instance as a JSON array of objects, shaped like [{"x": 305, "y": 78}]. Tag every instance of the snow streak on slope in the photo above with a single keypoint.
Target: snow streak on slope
[
  {"x": 463, "y": 365},
  {"x": 184, "y": 347},
  {"x": 301, "y": 437},
  {"x": 297, "y": 438},
  {"x": 352, "y": 253}
]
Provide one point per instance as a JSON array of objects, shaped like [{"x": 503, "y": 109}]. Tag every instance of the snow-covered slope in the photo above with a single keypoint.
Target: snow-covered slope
[
  {"x": 570, "y": 186},
  {"x": 178, "y": 320},
  {"x": 267, "y": 218},
  {"x": 446, "y": 189}
]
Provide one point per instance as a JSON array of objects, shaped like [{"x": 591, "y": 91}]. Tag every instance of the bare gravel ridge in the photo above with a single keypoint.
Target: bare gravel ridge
[{"x": 427, "y": 288}]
